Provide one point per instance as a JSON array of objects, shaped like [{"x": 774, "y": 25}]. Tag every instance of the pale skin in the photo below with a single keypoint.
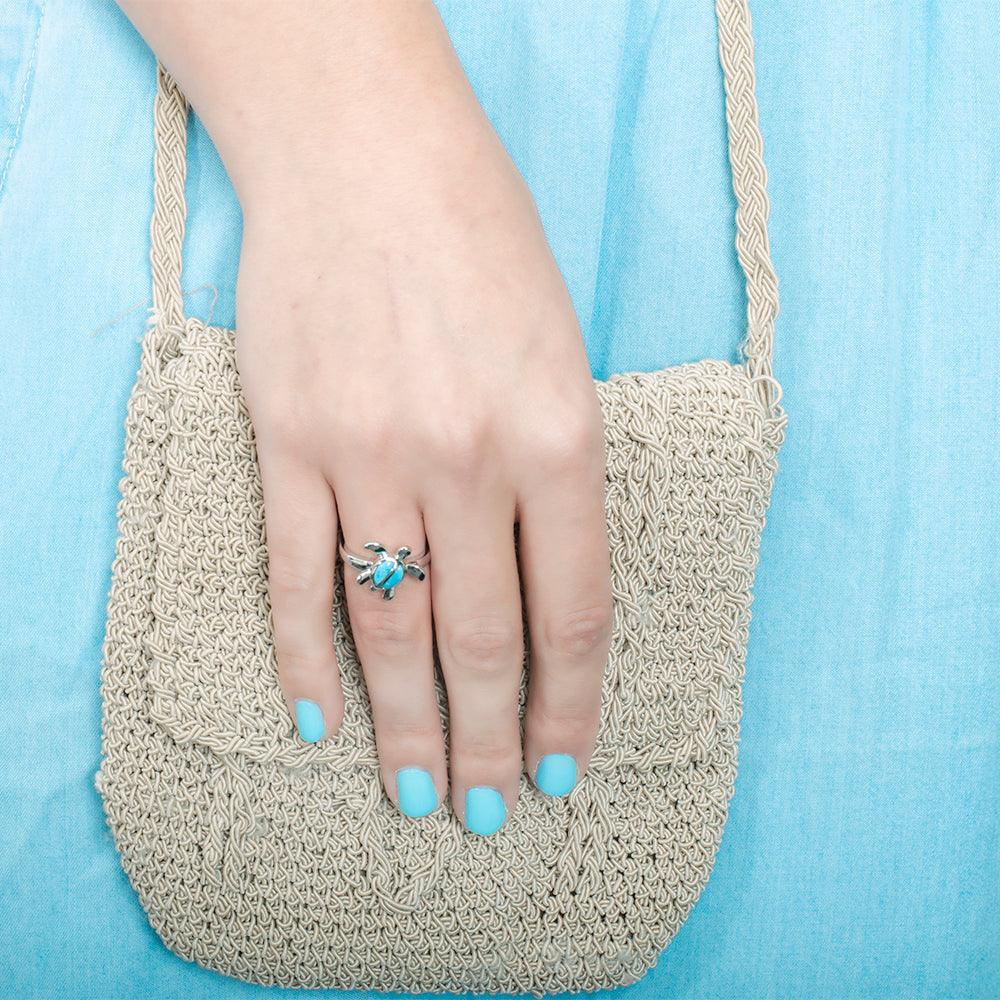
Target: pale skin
[{"x": 414, "y": 371}]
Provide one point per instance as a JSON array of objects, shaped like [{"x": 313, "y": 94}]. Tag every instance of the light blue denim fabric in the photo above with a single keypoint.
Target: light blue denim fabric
[{"x": 861, "y": 857}]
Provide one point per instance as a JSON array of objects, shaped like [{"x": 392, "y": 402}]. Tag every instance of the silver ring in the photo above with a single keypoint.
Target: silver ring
[{"x": 384, "y": 571}]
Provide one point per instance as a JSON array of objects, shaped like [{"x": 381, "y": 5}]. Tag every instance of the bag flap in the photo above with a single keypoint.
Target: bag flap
[{"x": 690, "y": 458}]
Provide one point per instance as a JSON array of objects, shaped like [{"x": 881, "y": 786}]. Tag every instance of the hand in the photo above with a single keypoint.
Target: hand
[{"x": 414, "y": 371}]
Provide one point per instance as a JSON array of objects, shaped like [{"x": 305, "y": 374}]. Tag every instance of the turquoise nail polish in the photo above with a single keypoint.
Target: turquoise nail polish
[
  {"x": 417, "y": 795},
  {"x": 309, "y": 720},
  {"x": 556, "y": 774},
  {"x": 484, "y": 810}
]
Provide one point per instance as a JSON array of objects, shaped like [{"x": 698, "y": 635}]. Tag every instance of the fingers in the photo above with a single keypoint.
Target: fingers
[
  {"x": 475, "y": 592},
  {"x": 301, "y": 521},
  {"x": 565, "y": 568},
  {"x": 477, "y": 621},
  {"x": 394, "y": 643}
]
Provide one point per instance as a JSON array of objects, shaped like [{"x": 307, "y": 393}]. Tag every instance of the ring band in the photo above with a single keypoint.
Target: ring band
[{"x": 384, "y": 571}]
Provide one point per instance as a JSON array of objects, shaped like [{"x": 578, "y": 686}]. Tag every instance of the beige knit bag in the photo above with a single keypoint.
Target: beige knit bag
[{"x": 279, "y": 862}]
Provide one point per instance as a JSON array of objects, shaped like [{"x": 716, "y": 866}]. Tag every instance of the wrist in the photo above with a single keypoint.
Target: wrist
[
  {"x": 361, "y": 158},
  {"x": 338, "y": 95},
  {"x": 379, "y": 112}
]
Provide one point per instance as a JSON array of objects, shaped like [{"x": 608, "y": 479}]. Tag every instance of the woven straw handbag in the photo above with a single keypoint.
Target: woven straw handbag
[{"x": 279, "y": 862}]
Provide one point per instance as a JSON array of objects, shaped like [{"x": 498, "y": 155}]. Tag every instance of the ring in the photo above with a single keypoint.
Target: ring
[{"x": 384, "y": 571}]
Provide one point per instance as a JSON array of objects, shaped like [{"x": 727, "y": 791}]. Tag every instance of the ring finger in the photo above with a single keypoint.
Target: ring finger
[{"x": 394, "y": 641}]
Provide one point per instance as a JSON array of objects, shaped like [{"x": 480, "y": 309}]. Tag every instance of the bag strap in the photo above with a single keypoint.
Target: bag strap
[
  {"x": 166, "y": 228},
  {"x": 746, "y": 158}
]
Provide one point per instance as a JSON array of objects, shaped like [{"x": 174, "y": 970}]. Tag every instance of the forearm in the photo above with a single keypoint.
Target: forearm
[{"x": 354, "y": 96}]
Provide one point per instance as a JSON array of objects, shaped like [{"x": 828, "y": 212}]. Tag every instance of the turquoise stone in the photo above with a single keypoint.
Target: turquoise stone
[
  {"x": 383, "y": 569},
  {"x": 387, "y": 574}
]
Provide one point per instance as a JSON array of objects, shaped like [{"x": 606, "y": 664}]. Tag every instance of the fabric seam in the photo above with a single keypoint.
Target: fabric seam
[{"x": 29, "y": 78}]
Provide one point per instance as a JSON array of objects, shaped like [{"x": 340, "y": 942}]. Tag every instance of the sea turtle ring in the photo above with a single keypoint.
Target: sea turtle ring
[{"x": 384, "y": 571}]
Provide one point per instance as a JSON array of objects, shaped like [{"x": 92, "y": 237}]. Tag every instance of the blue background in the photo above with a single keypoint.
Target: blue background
[{"x": 861, "y": 856}]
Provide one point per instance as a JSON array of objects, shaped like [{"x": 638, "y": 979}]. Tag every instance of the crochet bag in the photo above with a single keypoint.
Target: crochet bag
[{"x": 279, "y": 862}]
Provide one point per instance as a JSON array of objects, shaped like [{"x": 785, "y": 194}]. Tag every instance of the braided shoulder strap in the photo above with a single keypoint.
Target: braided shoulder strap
[
  {"x": 746, "y": 157},
  {"x": 166, "y": 229}
]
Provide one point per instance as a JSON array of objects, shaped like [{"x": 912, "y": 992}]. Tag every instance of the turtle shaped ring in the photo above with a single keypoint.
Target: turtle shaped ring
[{"x": 384, "y": 571}]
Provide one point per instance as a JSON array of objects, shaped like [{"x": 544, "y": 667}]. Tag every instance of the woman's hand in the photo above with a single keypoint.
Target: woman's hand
[{"x": 414, "y": 372}]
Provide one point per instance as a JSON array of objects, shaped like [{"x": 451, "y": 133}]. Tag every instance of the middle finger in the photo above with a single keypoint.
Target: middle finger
[
  {"x": 478, "y": 626},
  {"x": 395, "y": 646}
]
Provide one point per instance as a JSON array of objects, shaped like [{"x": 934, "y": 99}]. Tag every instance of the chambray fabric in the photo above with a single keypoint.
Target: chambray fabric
[{"x": 861, "y": 856}]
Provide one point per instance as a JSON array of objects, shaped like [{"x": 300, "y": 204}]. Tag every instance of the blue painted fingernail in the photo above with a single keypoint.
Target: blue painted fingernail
[
  {"x": 484, "y": 810},
  {"x": 309, "y": 720},
  {"x": 556, "y": 774},
  {"x": 417, "y": 795}
]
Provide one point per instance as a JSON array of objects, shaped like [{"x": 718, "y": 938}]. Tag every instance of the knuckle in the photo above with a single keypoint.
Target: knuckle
[
  {"x": 571, "y": 445},
  {"x": 485, "y": 754},
  {"x": 290, "y": 582},
  {"x": 382, "y": 630},
  {"x": 461, "y": 447},
  {"x": 278, "y": 417},
  {"x": 581, "y": 633},
  {"x": 574, "y": 721},
  {"x": 407, "y": 732},
  {"x": 484, "y": 643},
  {"x": 375, "y": 440},
  {"x": 298, "y": 666}
]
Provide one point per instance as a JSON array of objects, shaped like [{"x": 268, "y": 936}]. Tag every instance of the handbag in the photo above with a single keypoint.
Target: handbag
[{"x": 283, "y": 863}]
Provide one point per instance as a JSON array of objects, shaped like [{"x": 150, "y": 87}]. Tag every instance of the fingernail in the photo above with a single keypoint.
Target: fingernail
[
  {"x": 416, "y": 792},
  {"x": 309, "y": 720},
  {"x": 484, "y": 810},
  {"x": 556, "y": 774}
]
